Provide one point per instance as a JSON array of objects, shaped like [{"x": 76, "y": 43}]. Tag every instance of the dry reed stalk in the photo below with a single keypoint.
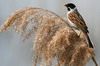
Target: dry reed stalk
[{"x": 54, "y": 39}]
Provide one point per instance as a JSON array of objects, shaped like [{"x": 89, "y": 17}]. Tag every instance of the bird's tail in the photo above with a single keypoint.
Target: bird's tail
[{"x": 89, "y": 41}]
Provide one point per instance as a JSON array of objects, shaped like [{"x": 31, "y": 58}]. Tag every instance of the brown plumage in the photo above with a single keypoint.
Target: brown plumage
[
  {"x": 77, "y": 19},
  {"x": 80, "y": 24}
]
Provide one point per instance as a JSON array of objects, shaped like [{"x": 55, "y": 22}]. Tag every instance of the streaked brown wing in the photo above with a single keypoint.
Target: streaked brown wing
[{"x": 77, "y": 19}]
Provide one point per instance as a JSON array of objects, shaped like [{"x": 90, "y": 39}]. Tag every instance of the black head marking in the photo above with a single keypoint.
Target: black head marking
[{"x": 70, "y": 6}]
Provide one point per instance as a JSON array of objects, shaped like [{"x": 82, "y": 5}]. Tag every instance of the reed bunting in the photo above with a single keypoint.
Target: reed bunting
[{"x": 76, "y": 21}]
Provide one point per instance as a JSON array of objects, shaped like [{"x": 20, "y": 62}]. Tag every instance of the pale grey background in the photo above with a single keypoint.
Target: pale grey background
[{"x": 13, "y": 52}]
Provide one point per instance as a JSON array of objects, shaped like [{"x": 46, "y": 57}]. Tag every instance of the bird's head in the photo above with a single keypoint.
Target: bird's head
[{"x": 70, "y": 6}]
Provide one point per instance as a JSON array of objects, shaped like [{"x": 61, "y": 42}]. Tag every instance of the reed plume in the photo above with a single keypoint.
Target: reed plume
[{"x": 54, "y": 40}]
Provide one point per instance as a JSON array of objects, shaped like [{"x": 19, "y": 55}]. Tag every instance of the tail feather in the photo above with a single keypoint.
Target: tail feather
[{"x": 89, "y": 41}]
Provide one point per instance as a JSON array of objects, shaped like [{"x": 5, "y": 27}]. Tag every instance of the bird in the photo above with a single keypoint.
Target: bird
[{"x": 76, "y": 21}]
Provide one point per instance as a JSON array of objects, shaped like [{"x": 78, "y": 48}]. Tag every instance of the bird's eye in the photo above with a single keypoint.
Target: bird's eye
[{"x": 68, "y": 9}]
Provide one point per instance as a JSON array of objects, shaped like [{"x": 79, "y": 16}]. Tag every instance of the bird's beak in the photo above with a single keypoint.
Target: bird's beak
[{"x": 66, "y": 5}]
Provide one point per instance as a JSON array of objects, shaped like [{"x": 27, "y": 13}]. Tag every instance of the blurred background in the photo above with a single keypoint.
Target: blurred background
[{"x": 14, "y": 52}]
